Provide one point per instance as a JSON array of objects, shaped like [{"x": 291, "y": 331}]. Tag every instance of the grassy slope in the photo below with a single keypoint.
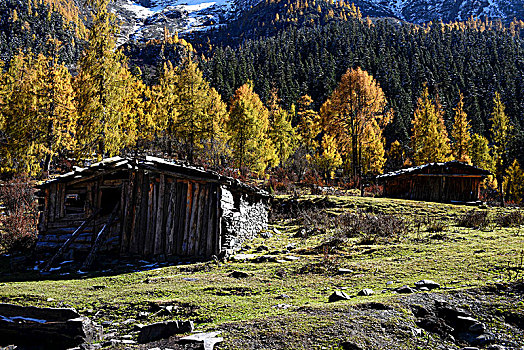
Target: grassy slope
[{"x": 464, "y": 257}]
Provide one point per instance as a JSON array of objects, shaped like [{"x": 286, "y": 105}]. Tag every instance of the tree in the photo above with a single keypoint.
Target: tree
[
  {"x": 480, "y": 153},
  {"x": 39, "y": 117},
  {"x": 200, "y": 112},
  {"x": 329, "y": 160},
  {"x": 353, "y": 110},
  {"x": 429, "y": 137},
  {"x": 247, "y": 126},
  {"x": 514, "y": 182},
  {"x": 500, "y": 129},
  {"x": 106, "y": 117},
  {"x": 281, "y": 132},
  {"x": 461, "y": 134}
]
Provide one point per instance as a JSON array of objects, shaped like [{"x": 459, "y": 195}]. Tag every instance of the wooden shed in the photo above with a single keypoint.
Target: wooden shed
[
  {"x": 148, "y": 208},
  {"x": 435, "y": 182}
]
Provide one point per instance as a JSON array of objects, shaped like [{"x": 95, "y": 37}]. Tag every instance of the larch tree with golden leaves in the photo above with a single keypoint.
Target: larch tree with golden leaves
[
  {"x": 500, "y": 130},
  {"x": 480, "y": 153},
  {"x": 201, "y": 114},
  {"x": 39, "y": 115},
  {"x": 281, "y": 132},
  {"x": 514, "y": 182},
  {"x": 105, "y": 123},
  {"x": 461, "y": 134},
  {"x": 248, "y": 127},
  {"x": 353, "y": 115},
  {"x": 429, "y": 137}
]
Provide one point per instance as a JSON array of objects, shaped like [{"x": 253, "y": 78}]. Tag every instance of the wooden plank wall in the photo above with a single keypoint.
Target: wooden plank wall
[{"x": 165, "y": 216}]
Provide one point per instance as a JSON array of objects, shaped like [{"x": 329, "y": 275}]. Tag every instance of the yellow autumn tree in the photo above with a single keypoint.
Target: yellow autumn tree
[
  {"x": 281, "y": 132},
  {"x": 429, "y": 137},
  {"x": 328, "y": 159},
  {"x": 105, "y": 123},
  {"x": 352, "y": 116},
  {"x": 461, "y": 134},
  {"x": 500, "y": 130},
  {"x": 248, "y": 127},
  {"x": 514, "y": 182},
  {"x": 38, "y": 114},
  {"x": 309, "y": 125},
  {"x": 480, "y": 153}
]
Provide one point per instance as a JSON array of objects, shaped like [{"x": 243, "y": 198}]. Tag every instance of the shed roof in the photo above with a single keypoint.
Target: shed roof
[
  {"x": 453, "y": 167},
  {"x": 154, "y": 164}
]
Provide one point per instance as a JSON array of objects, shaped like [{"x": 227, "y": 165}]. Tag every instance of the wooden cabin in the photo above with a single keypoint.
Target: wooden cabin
[
  {"x": 148, "y": 208},
  {"x": 435, "y": 182}
]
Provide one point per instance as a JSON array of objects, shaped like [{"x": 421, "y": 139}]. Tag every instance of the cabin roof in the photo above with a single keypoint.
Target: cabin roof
[
  {"x": 154, "y": 164},
  {"x": 453, "y": 167}
]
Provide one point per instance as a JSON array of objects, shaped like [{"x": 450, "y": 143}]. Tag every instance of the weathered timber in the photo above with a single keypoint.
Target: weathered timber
[
  {"x": 100, "y": 239},
  {"x": 66, "y": 245}
]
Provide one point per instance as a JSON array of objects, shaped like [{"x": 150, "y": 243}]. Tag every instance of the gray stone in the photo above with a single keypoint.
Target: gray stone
[
  {"x": 239, "y": 274},
  {"x": 404, "y": 290},
  {"x": 342, "y": 271},
  {"x": 207, "y": 339},
  {"x": 350, "y": 346},
  {"x": 484, "y": 339},
  {"x": 161, "y": 330},
  {"x": 129, "y": 321},
  {"x": 478, "y": 328},
  {"x": 366, "y": 292},
  {"x": 423, "y": 289},
  {"x": 464, "y": 322},
  {"x": 427, "y": 283},
  {"x": 291, "y": 258},
  {"x": 243, "y": 257},
  {"x": 338, "y": 295},
  {"x": 127, "y": 336}
]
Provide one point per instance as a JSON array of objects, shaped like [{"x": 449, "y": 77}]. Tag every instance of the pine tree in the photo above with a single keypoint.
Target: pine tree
[
  {"x": 429, "y": 138},
  {"x": 247, "y": 127},
  {"x": 500, "y": 129},
  {"x": 104, "y": 125},
  {"x": 461, "y": 134}
]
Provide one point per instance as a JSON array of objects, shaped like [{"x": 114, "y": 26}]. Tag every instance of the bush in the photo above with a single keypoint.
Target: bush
[
  {"x": 19, "y": 219},
  {"x": 474, "y": 219},
  {"x": 514, "y": 218},
  {"x": 373, "y": 228}
]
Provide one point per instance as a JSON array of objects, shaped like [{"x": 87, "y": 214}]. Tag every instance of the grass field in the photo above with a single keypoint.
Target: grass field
[{"x": 298, "y": 272}]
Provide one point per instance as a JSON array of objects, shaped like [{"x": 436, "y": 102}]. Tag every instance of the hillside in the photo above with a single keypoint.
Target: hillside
[{"x": 278, "y": 298}]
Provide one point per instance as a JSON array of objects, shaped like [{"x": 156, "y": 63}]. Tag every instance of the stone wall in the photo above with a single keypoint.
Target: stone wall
[{"x": 244, "y": 216}]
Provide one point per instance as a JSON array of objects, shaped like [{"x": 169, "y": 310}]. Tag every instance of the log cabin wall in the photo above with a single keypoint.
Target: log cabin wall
[
  {"x": 438, "y": 182},
  {"x": 167, "y": 216}
]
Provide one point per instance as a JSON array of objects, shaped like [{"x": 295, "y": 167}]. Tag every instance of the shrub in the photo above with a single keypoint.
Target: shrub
[
  {"x": 18, "y": 222},
  {"x": 373, "y": 228},
  {"x": 474, "y": 219},
  {"x": 514, "y": 218}
]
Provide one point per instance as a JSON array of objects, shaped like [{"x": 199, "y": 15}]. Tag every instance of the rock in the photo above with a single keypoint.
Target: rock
[
  {"x": 143, "y": 314},
  {"x": 154, "y": 349},
  {"x": 342, "y": 271},
  {"x": 427, "y": 283},
  {"x": 347, "y": 345},
  {"x": 239, "y": 274},
  {"x": 161, "y": 330},
  {"x": 266, "y": 258},
  {"x": 243, "y": 257},
  {"x": 423, "y": 289},
  {"x": 463, "y": 323},
  {"x": 291, "y": 258},
  {"x": 277, "y": 232},
  {"x": 283, "y": 296},
  {"x": 291, "y": 246},
  {"x": 417, "y": 332},
  {"x": 107, "y": 323},
  {"x": 495, "y": 347},
  {"x": 366, "y": 292},
  {"x": 484, "y": 339},
  {"x": 129, "y": 321},
  {"x": 207, "y": 339},
  {"x": 338, "y": 295},
  {"x": 262, "y": 248},
  {"x": 128, "y": 342},
  {"x": 282, "y": 306},
  {"x": 266, "y": 234},
  {"x": 478, "y": 328},
  {"x": 128, "y": 336},
  {"x": 404, "y": 290}
]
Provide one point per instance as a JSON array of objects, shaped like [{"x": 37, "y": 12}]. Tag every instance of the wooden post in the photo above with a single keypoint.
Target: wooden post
[
  {"x": 67, "y": 243},
  {"x": 100, "y": 239}
]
